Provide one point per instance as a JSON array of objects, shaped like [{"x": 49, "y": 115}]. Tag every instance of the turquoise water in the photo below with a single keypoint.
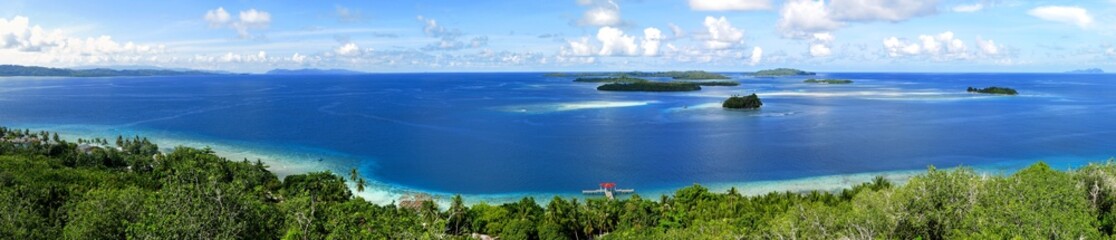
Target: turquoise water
[{"x": 505, "y": 135}]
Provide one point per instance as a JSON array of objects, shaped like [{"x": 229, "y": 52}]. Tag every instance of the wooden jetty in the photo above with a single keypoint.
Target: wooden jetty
[{"x": 609, "y": 190}]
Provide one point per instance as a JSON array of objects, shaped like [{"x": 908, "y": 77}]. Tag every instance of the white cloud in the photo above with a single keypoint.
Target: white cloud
[
  {"x": 881, "y": 10},
  {"x": 820, "y": 45},
  {"x": 347, "y": 15},
  {"x": 254, "y": 17},
  {"x": 600, "y": 13},
  {"x": 217, "y": 17},
  {"x": 652, "y": 38},
  {"x": 1110, "y": 52},
  {"x": 348, "y": 50},
  {"x": 729, "y": 5},
  {"x": 989, "y": 47},
  {"x": 898, "y": 48},
  {"x": 615, "y": 42},
  {"x": 803, "y": 18},
  {"x": 1062, "y": 14},
  {"x": 298, "y": 58},
  {"x": 578, "y": 48},
  {"x": 722, "y": 34},
  {"x": 968, "y": 8},
  {"x": 940, "y": 47},
  {"x": 250, "y": 19},
  {"x": 757, "y": 56},
  {"x": 23, "y": 43}
]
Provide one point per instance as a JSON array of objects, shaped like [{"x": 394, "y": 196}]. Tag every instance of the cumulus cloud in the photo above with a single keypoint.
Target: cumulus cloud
[
  {"x": 248, "y": 19},
  {"x": 652, "y": 38},
  {"x": 722, "y": 34},
  {"x": 676, "y": 31},
  {"x": 757, "y": 56},
  {"x": 1063, "y": 14},
  {"x": 881, "y": 10},
  {"x": 940, "y": 47},
  {"x": 578, "y": 48},
  {"x": 348, "y": 50},
  {"x": 615, "y": 42},
  {"x": 729, "y": 5},
  {"x": 819, "y": 47},
  {"x": 800, "y": 19},
  {"x": 600, "y": 13},
  {"x": 966, "y": 8},
  {"x": 803, "y": 18},
  {"x": 34, "y": 44},
  {"x": 217, "y": 17},
  {"x": 989, "y": 47}
]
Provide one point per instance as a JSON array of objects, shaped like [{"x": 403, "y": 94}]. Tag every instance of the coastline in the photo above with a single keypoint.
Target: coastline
[{"x": 283, "y": 161}]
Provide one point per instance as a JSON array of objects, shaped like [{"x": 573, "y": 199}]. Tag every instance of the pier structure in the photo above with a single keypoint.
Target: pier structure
[{"x": 609, "y": 190}]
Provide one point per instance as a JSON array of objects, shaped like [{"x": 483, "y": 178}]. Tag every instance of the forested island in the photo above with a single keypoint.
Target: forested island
[
  {"x": 993, "y": 90},
  {"x": 620, "y": 79},
  {"x": 624, "y": 79},
  {"x": 743, "y": 102},
  {"x": 127, "y": 189},
  {"x": 313, "y": 71},
  {"x": 828, "y": 81},
  {"x": 781, "y": 72},
  {"x": 31, "y": 71},
  {"x": 648, "y": 86},
  {"x": 681, "y": 75}
]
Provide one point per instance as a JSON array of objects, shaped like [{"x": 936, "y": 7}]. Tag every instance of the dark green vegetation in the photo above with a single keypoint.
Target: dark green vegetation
[
  {"x": 620, "y": 79},
  {"x": 712, "y": 83},
  {"x": 743, "y": 102},
  {"x": 781, "y": 72},
  {"x": 682, "y": 75},
  {"x": 650, "y": 87},
  {"x": 16, "y": 70},
  {"x": 126, "y": 189},
  {"x": 993, "y": 90},
  {"x": 828, "y": 81}
]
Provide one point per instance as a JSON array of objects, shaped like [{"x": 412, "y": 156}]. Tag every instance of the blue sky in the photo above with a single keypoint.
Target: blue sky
[{"x": 564, "y": 35}]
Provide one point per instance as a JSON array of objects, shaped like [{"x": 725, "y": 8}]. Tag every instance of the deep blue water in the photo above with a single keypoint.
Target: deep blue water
[{"x": 480, "y": 133}]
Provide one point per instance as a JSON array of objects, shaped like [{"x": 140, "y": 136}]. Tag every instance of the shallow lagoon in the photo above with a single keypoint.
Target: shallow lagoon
[{"x": 504, "y": 135}]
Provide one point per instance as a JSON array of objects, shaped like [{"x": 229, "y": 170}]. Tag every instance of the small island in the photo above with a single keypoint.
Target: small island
[
  {"x": 620, "y": 79},
  {"x": 712, "y": 83},
  {"x": 679, "y": 75},
  {"x": 781, "y": 72},
  {"x": 33, "y": 71},
  {"x": 742, "y": 102},
  {"x": 828, "y": 81},
  {"x": 993, "y": 90},
  {"x": 650, "y": 87},
  {"x": 1087, "y": 71}
]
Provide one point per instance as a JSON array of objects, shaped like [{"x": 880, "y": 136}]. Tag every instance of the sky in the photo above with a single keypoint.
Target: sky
[{"x": 563, "y": 35}]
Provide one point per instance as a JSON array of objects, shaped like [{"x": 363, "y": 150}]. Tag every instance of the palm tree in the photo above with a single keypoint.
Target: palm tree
[{"x": 357, "y": 180}]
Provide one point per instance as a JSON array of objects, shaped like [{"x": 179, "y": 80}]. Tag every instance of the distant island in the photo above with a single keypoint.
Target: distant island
[
  {"x": 650, "y": 87},
  {"x": 682, "y": 75},
  {"x": 828, "y": 81},
  {"x": 993, "y": 90},
  {"x": 624, "y": 79},
  {"x": 1087, "y": 71},
  {"x": 781, "y": 72},
  {"x": 620, "y": 79},
  {"x": 313, "y": 71},
  {"x": 33, "y": 71},
  {"x": 743, "y": 102}
]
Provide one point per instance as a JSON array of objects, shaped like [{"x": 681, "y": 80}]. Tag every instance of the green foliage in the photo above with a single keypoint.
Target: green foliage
[
  {"x": 828, "y": 81},
  {"x": 52, "y": 189},
  {"x": 15, "y": 70},
  {"x": 713, "y": 83},
  {"x": 650, "y": 87},
  {"x": 620, "y": 79},
  {"x": 781, "y": 72},
  {"x": 686, "y": 75},
  {"x": 743, "y": 102},
  {"x": 993, "y": 90}
]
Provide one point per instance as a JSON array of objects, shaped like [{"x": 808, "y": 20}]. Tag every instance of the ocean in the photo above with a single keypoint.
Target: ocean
[{"x": 500, "y": 136}]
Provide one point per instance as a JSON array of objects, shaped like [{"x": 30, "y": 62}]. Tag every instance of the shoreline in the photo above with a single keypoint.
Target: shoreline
[{"x": 283, "y": 162}]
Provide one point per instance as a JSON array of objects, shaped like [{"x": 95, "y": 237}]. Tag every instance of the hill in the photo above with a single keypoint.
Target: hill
[
  {"x": 33, "y": 71},
  {"x": 313, "y": 71}
]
